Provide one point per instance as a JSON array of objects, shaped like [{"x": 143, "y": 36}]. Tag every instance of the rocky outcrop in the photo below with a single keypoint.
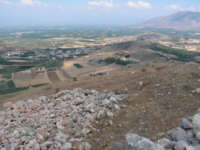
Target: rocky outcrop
[
  {"x": 185, "y": 137},
  {"x": 135, "y": 142},
  {"x": 58, "y": 122}
]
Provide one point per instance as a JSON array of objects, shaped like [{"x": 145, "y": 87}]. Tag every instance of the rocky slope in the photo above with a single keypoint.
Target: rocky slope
[
  {"x": 58, "y": 122},
  {"x": 159, "y": 97},
  {"x": 185, "y": 137}
]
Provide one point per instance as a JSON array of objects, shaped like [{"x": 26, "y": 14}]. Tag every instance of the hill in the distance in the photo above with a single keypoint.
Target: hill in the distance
[{"x": 178, "y": 21}]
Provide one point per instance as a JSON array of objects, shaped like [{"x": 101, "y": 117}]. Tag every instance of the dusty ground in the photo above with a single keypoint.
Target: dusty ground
[{"x": 152, "y": 108}]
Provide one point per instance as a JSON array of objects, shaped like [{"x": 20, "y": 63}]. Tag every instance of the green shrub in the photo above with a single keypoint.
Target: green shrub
[
  {"x": 78, "y": 66},
  {"x": 100, "y": 61},
  {"x": 118, "y": 61},
  {"x": 11, "y": 84},
  {"x": 144, "y": 70},
  {"x": 39, "y": 85},
  {"x": 128, "y": 56},
  {"x": 110, "y": 60},
  {"x": 57, "y": 90},
  {"x": 123, "y": 62},
  {"x": 7, "y": 75},
  {"x": 12, "y": 90},
  {"x": 75, "y": 79},
  {"x": 7, "y": 87}
]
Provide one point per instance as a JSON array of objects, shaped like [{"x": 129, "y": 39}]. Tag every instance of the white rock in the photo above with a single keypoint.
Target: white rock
[
  {"x": 61, "y": 137},
  {"x": 135, "y": 142},
  {"x": 196, "y": 123},
  {"x": 181, "y": 145},
  {"x": 141, "y": 83},
  {"x": 110, "y": 114},
  {"x": 67, "y": 146}
]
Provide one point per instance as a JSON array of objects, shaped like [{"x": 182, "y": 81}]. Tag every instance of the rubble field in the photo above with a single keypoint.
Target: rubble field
[{"x": 58, "y": 122}]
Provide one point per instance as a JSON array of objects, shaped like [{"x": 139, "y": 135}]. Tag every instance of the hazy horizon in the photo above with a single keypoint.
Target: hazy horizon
[{"x": 87, "y": 12}]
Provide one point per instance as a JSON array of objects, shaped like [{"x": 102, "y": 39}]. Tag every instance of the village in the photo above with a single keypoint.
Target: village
[
  {"x": 47, "y": 53},
  {"x": 21, "y": 69}
]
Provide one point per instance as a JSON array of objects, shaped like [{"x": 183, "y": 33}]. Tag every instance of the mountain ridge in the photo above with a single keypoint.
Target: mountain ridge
[{"x": 183, "y": 20}]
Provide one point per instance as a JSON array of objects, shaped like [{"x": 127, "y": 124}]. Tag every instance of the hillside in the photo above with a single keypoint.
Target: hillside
[
  {"x": 98, "y": 104},
  {"x": 178, "y": 21}
]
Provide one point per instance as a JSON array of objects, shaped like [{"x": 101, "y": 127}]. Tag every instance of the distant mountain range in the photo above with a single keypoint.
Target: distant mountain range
[{"x": 178, "y": 21}]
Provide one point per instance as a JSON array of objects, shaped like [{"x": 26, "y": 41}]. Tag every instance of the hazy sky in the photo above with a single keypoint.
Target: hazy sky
[{"x": 88, "y": 12}]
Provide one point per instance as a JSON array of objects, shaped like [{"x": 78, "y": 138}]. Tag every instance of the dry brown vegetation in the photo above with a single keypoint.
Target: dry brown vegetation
[{"x": 153, "y": 107}]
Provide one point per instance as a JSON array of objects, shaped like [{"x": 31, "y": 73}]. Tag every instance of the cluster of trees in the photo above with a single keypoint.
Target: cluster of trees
[
  {"x": 181, "y": 54},
  {"x": 7, "y": 87},
  {"x": 118, "y": 61}
]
